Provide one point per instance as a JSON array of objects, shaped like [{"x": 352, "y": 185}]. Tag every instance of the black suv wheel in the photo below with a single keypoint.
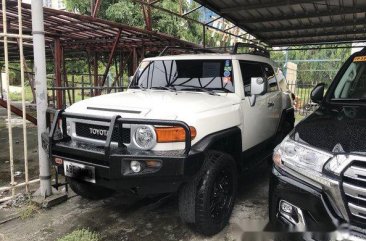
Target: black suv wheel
[
  {"x": 89, "y": 190},
  {"x": 208, "y": 201}
]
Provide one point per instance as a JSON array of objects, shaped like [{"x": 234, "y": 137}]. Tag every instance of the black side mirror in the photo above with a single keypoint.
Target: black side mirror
[{"x": 317, "y": 94}]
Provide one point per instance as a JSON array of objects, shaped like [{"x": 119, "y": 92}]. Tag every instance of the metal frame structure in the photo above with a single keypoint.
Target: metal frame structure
[
  {"x": 295, "y": 22},
  {"x": 149, "y": 4},
  {"x": 19, "y": 37},
  {"x": 72, "y": 36}
]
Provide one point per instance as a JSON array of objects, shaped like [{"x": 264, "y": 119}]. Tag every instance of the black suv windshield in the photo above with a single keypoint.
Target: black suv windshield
[
  {"x": 352, "y": 85},
  {"x": 187, "y": 75}
]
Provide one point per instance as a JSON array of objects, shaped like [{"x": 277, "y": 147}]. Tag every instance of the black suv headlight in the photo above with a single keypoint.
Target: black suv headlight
[
  {"x": 302, "y": 159},
  {"x": 312, "y": 166}
]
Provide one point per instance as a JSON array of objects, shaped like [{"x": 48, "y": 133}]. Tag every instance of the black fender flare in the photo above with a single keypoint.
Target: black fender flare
[{"x": 228, "y": 140}]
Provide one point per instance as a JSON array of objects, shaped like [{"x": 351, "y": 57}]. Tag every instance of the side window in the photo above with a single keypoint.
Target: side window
[
  {"x": 249, "y": 70},
  {"x": 271, "y": 77}
]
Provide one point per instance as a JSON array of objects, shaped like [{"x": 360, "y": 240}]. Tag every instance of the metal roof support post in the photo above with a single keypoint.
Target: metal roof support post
[
  {"x": 111, "y": 54},
  {"x": 134, "y": 60},
  {"x": 58, "y": 81},
  {"x": 95, "y": 69},
  {"x": 204, "y": 36},
  {"x": 8, "y": 99},
  {"x": 41, "y": 93}
]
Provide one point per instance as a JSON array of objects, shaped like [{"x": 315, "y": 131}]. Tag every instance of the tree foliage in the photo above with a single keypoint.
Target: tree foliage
[{"x": 130, "y": 13}]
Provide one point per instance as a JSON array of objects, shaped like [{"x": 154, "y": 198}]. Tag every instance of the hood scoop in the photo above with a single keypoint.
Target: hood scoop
[{"x": 115, "y": 110}]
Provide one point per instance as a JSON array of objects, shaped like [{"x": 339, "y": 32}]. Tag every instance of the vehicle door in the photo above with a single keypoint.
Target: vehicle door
[
  {"x": 274, "y": 97},
  {"x": 256, "y": 128}
]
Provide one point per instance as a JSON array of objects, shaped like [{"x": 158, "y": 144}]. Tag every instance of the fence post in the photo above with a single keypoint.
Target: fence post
[{"x": 39, "y": 51}]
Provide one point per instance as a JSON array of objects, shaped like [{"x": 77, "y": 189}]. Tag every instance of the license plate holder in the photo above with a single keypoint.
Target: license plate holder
[{"x": 79, "y": 171}]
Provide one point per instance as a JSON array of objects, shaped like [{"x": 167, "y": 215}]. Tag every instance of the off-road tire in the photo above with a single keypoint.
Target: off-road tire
[
  {"x": 196, "y": 197},
  {"x": 89, "y": 190}
]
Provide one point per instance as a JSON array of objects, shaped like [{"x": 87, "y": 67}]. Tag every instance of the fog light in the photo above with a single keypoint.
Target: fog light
[
  {"x": 286, "y": 207},
  {"x": 292, "y": 215},
  {"x": 135, "y": 166}
]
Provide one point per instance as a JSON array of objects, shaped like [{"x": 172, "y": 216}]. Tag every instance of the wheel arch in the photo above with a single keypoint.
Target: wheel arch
[{"x": 228, "y": 141}]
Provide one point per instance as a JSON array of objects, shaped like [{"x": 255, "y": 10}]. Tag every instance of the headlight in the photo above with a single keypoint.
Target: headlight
[
  {"x": 305, "y": 160},
  {"x": 145, "y": 137}
]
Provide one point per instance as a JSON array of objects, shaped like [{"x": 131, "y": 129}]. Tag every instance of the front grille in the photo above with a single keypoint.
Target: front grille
[
  {"x": 98, "y": 132},
  {"x": 354, "y": 186}
]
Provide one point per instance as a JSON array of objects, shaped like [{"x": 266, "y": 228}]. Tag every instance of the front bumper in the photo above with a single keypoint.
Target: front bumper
[
  {"x": 317, "y": 211},
  {"x": 112, "y": 163},
  {"x": 318, "y": 214}
]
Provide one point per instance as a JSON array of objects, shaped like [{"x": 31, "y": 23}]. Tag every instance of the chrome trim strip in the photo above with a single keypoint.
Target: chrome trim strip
[
  {"x": 354, "y": 191},
  {"x": 355, "y": 173},
  {"x": 300, "y": 225},
  {"x": 356, "y": 210}
]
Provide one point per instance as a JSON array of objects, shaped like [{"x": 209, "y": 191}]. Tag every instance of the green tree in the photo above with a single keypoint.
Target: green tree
[
  {"x": 130, "y": 13},
  {"x": 315, "y": 65}
]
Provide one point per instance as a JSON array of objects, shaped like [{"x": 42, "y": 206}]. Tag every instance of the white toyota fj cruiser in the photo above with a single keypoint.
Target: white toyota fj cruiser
[{"x": 188, "y": 124}]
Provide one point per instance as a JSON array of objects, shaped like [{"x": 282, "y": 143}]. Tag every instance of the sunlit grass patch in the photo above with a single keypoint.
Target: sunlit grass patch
[{"x": 81, "y": 235}]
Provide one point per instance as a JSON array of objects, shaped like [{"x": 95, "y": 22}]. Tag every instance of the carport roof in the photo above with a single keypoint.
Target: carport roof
[
  {"x": 80, "y": 33},
  {"x": 296, "y": 22}
]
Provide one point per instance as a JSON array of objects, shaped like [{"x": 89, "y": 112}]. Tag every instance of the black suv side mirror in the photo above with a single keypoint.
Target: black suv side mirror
[{"x": 317, "y": 94}]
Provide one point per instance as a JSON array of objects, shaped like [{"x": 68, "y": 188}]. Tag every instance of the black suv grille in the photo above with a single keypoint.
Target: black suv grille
[
  {"x": 354, "y": 186},
  {"x": 98, "y": 132}
]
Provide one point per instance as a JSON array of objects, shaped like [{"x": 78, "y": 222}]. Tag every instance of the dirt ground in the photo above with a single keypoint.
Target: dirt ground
[
  {"x": 125, "y": 217},
  {"x": 18, "y": 149}
]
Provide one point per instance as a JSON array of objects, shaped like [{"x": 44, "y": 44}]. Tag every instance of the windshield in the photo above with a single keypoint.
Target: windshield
[
  {"x": 187, "y": 75},
  {"x": 352, "y": 85}
]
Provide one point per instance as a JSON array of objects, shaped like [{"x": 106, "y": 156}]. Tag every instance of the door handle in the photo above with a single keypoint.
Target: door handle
[{"x": 270, "y": 104}]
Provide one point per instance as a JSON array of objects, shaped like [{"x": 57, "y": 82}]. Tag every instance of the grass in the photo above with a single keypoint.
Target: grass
[
  {"x": 303, "y": 93},
  {"x": 18, "y": 96},
  {"x": 29, "y": 211},
  {"x": 29, "y": 95},
  {"x": 81, "y": 235}
]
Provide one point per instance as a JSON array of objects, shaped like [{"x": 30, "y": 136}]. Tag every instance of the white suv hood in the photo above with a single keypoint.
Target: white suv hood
[{"x": 154, "y": 104}]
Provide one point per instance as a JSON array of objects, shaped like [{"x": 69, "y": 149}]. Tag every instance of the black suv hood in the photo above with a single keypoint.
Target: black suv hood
[{"x": 335, "y": 129}]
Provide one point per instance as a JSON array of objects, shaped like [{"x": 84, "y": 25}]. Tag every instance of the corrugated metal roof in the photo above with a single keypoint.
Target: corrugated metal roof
[
  {"x": 296, "y": 22},
  {"x": 80, "y": 33}
]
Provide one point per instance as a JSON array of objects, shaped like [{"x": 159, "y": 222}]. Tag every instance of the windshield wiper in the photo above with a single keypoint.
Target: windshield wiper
[
  {"x": 171, "y": 88},
  {"x": 208, "y": 91}
]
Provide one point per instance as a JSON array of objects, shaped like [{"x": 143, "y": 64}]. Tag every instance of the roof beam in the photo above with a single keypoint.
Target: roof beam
[
  {"x": 266, "y": 5},
  {"x": 338, "y": 24},
  {"x": 325, "y": 42},
  {"x": 192, "y": 10},
  {"x": 317, "y": 35},
  {"x": 304, "y": 15}
]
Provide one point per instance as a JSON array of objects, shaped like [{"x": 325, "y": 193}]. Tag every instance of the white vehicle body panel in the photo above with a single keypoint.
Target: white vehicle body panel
[{"x": 207, "y": 113}]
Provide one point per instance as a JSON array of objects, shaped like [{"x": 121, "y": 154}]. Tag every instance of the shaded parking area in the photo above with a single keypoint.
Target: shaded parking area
[{"x": 126, "y": 217}]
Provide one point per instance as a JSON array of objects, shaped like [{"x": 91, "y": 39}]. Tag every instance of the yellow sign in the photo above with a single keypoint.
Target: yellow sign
[{"x": 359, "y": 59}]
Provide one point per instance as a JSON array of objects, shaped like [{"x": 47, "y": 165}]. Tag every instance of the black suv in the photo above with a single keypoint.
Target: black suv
[{"x": 318, "y": 181}]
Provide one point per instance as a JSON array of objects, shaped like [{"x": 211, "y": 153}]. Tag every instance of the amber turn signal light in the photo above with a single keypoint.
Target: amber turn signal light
[
  {"x": 59, "y": 161},
  {"x": 173, "y": 134}
]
